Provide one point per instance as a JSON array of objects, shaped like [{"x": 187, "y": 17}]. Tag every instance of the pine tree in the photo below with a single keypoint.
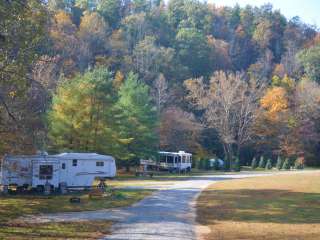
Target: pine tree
[
  {"x": 254, "y": 163},
  {"x": 279, "y": 163},
  {"x": 269, "y": 164},
  {"x": 81, "y": 117},
  {"x": 136, "y": 120},
  {"x": 286, "y": 164},
  {"x": 262, "y": 162}
]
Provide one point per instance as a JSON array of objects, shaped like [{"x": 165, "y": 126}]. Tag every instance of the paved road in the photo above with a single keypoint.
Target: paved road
[{"x": 168, "y": 214}]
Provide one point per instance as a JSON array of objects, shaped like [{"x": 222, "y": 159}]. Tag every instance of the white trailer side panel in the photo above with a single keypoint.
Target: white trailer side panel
[{"x": 16, "y": 171}]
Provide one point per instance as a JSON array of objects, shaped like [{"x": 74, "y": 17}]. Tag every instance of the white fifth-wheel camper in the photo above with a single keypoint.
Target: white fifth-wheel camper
[{"x": 69, "y": 169}]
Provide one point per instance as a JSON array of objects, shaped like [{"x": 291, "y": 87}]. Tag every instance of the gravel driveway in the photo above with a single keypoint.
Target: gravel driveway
[{"x": 168, "y": 214}]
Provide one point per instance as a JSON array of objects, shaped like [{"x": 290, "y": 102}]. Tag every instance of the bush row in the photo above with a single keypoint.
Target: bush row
[{"x": 282, "y": 163}]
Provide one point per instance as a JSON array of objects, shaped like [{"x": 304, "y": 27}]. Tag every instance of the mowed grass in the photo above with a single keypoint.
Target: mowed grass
[
  {"x": 62, "y": 230},
  {"x": 271, "y": 207},
  {"x": 12, "y": 207}
]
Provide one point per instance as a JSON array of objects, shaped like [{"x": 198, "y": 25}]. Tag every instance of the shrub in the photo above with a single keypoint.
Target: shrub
[
  {"x": 286, "y": 164},
  {"x": 279, "y": 163},
  {"x": 299, "y": 163},
  {"x": 254, "y": 163},
  {"x": 262, "y": 162},
  {"x": 269, "y": 164},
  {"x": 236, "y": 165}
]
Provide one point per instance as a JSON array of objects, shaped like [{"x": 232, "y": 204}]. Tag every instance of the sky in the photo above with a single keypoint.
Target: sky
[{"x": 307, "y": 10}]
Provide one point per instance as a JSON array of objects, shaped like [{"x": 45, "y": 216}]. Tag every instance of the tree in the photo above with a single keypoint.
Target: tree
[
  {"x": 135, "y": 28},
  {"x": 111, "y": 11},
  {"x": 66, "y": 44},
  {"x": 136, "y": 121},
  {"x": 287, "y": 119},
  {"x": 149, "y": 59},
  {"x": 192, "y": 49},
  {"x": 279, "y": 163},
  {"x": 310, "y": 60},
  {"x": 254, "y": 163},
  {"x": 269, "y": 164},
  {"x": 93, "y": 31},
  {"x": 262, "y": 162},
  {"x": 229, "y": 104},
  {"x": 81, "y": 116},
  {"x": 179, "y": 130},
  {"x": 299, "y": 163},
  {"x": 286, "y": 164},
  {"x": 161, "y": 92},
  {"x": 22, "y": 31}
]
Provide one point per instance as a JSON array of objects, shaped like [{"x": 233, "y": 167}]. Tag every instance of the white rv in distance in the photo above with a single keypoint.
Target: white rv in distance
[
  {"x": 175, "y": 161},
  {"x": 70, "y": 169}
]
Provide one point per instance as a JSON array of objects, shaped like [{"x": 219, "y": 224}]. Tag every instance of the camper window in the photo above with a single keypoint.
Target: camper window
[
  {"x": 45, "y": 172},
  {"x": 74, "y": 162},
  {"x": 169, "y": 159},
  {"x": 183, "y": 159},
  {"x": 63, "y": 166},
  {"x": 99, "y": 164}
]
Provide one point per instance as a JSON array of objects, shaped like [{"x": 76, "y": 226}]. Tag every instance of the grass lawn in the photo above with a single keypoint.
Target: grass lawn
[
  {"x": 271, "y": 207},
  {"x": 65, "y": 230},
  {"x": 12, "y": 207}
]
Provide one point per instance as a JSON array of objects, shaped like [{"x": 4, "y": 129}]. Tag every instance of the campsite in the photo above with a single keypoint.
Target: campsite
[{"x": 159, "y": 119}]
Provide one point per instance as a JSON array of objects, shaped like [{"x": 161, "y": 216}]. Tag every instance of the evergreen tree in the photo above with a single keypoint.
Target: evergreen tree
[
  {"x": 136, "y": 121},
  {"x": 286, "y": 164},
  {"x": 279, "y": 163},
  {"x": 262, "y": 162},
  {"x": 254, "y": 163},
  {"x": 269, "y": 164},
  {"x": 81, "y": 117}
]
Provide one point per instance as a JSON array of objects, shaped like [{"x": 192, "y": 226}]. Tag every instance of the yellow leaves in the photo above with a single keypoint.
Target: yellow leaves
[
  {"x": 92, "y": 24},
  {"x": 285, "y": 82},
  {"x": 275, "y": 100},
  {"x": 118, "y": 80},
  {"x": 126, "y": 141},
  {"x": 288, "y": 82},
  {"x": 63, "y": 18},
  {"x": 12, "y": 94}
]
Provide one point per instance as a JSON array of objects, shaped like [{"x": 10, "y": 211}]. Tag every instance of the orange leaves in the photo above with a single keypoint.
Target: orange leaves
[
  {"x": 63, "y": 18},
  {"x": 275, "y": 101}
]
